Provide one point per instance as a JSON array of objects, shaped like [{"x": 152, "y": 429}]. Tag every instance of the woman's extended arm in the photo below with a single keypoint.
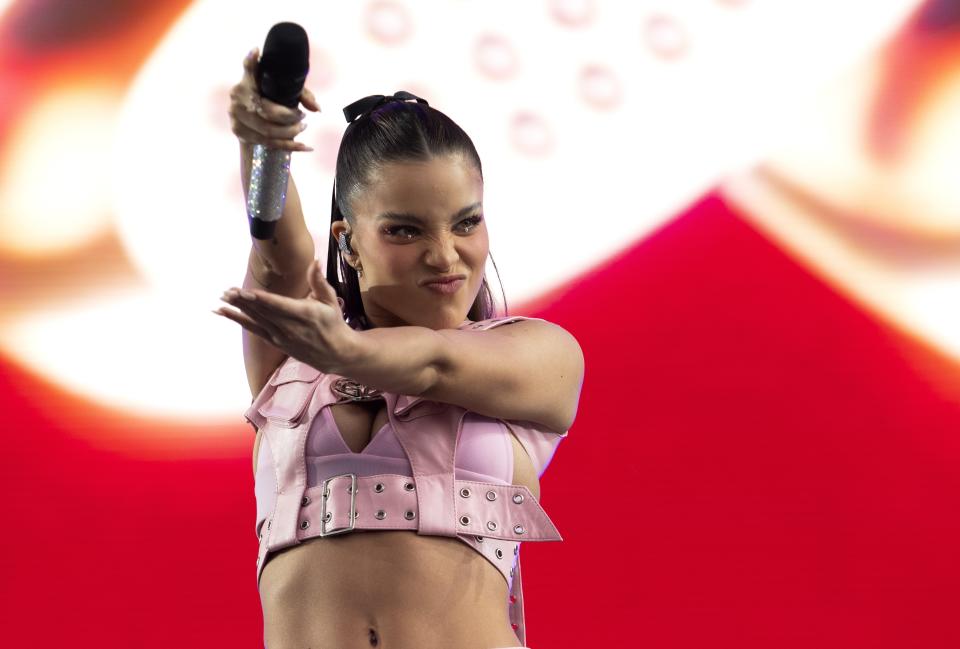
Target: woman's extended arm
[
  {"x": 279, "y": 264},
  {"x": 530, "y": 370},
  {"x": 291, "y": 249}
]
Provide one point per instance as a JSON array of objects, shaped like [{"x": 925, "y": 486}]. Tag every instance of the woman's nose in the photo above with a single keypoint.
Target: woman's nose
[{"x": 443, "y": 254}]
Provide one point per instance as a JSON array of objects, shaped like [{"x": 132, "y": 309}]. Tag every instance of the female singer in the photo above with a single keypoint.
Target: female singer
[{"x": 412, "y": 316}]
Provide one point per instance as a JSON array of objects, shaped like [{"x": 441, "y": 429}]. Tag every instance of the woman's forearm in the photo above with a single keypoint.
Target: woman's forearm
[
  {"x": 404, "y": 359},
  {"x": 291, "y": 248}
]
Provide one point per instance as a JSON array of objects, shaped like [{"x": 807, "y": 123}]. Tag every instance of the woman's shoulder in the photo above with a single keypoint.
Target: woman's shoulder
[{"x": 490, "y": 323}]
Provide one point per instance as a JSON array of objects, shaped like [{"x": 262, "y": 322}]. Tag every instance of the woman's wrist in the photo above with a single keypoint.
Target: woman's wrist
[
  {"x": 353, "y": 352},
  {"x": 402, "y": 360}
]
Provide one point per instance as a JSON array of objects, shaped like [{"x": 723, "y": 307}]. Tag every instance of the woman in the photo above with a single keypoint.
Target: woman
[{"x": 389, "y": 404}]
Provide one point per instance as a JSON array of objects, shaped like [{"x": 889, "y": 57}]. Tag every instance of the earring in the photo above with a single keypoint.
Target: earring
[{"x": 345, "y": 247}]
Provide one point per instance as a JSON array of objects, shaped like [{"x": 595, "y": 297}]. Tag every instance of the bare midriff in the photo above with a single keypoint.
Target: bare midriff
[
  {"x": 387, "y": 588},
  {"x": 384, "y": 588}
]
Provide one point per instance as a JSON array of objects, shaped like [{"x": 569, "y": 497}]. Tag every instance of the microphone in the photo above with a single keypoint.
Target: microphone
[{"x": 281, "y": 72}]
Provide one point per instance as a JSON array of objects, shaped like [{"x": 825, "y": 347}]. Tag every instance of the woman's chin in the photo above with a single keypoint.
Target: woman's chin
[{"x": 441, "y": 317}]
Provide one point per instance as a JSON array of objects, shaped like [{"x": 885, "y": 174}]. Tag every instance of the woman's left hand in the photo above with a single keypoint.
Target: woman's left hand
[{"x": 310, "y": 329}]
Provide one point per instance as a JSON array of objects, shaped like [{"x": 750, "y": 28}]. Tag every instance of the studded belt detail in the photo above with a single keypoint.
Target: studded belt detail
[{"x": 492, "y": 518}]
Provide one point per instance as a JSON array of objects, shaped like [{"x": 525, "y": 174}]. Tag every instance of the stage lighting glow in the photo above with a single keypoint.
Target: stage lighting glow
[
  {"x": 54, "y": 195},
  {"x": 930, "y": 173},
  {"x": 668, "y": 130},
  {"x": 865, "y": 194},
  {"x": 4, "y": 5},
  {"x": 89, "y": 348}
]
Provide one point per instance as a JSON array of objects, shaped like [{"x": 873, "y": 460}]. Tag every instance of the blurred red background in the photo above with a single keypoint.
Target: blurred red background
[{"x": 757, "y": 460}]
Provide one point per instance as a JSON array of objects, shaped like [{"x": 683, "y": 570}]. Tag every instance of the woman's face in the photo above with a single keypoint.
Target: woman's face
[{"x": 419, "y": 221}]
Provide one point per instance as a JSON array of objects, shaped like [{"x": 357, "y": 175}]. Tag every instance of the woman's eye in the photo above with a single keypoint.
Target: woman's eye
[
  {"x": 473, "y": 221},
  {"x": 395, "y": 229},
  {"x": 400, "y": 230}
]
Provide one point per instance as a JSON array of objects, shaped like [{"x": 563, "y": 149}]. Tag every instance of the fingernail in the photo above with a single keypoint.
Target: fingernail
[
  {"x": 303, "y": 126},
  {"x": 248, "y": 295}
]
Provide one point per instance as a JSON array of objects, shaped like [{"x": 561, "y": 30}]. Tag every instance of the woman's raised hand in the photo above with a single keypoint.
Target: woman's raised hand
[
  {"x": 310, "y": 329},
  {"x": 257, "y": 120}
]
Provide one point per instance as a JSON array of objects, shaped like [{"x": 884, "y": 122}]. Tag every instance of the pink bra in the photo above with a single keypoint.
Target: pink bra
[{"x": 459, "y": 485}]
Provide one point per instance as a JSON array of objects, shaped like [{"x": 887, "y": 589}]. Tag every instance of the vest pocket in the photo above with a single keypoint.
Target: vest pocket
[{"x": 293, "y": 388}]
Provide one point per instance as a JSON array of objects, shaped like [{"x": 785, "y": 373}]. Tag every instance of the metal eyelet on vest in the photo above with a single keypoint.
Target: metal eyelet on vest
[
  {"x": 326, "y": 493},
  {"x": 304, "y": 524},
  {"x": 356, "y": 514},
  {"x": 465, "y": 492},
  {"x": 516, "y": 549},
  {"x": 380, "y": 514},
  {"x": 518, "y": 529},
  {"x": 326, "y": 519},
  {"x": 518, "y": 498},
  {"x": 350, "y": 489},
  {"x": 499, "y": 553},
  {"x": 305, "y": 501},
  {"x": 379, "y": 487},
  {"x": 464, "y": 520},
  {"x": 479, "y": 539},
  {"x": 409, "y": 515},
  {"x": 491, "y": 495},
  {"x": 408, "y": 486},
  {"x": 492, "y": 525},
  {"x": 269, "y": 523},
  {"x": 511, "y": 572}
]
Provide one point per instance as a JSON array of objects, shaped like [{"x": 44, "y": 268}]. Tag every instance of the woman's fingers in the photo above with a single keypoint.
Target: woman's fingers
[
  {"x": 279, "y": 113},
  {"x": 269, "y": 110},
  {"x": 308, "y": 100},
  {"x": 246, "y": 322},
  {"x": 246, "y": 134},
  {"x": 265, "y": 127},
  {"x": 250, "y": 62},
  {"x": 244, "y": 97},
  {"x": 321, "y": 288},
  {"x": 259, "y": 120}
]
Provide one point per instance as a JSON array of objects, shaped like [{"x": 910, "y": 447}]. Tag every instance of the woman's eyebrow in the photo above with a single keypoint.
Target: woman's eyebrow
[{"x": 413, "y": 218}]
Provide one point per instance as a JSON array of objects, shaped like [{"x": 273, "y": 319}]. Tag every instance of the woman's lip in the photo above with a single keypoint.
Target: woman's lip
[
  {"x": 446, "y": 288},
  {"x": 445, "y": 281}
]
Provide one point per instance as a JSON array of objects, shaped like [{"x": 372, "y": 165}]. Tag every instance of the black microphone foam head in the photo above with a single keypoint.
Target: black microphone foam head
[{"x": 283, "y": 67}]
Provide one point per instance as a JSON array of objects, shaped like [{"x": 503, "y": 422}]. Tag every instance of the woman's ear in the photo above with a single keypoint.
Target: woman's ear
[
  {"x": 349, "y": 254},
  {"x": 335, "y": 229}
]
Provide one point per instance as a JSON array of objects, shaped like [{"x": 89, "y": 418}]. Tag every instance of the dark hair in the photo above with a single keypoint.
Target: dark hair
[{"x": 397, "y": 131}]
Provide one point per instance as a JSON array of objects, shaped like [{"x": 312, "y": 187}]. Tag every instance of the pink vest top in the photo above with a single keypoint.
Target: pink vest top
[{"x": 458, "y": 485}]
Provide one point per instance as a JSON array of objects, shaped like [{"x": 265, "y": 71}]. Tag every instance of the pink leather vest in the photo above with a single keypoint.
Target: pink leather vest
[{"x": 490, "y": 517}]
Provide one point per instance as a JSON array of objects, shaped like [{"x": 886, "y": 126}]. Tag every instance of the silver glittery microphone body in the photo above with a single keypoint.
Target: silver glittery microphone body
[
  {"x": 280, "y": 75},
  {"x": 267, "y": 192}
]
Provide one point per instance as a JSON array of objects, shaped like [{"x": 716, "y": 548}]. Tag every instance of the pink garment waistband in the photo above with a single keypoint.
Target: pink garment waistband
[{"x": 389, "y": 502}]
